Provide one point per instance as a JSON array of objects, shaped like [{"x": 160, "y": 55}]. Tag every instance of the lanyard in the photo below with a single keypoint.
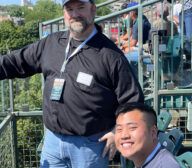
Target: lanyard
[{"x": 76, "y": 50}]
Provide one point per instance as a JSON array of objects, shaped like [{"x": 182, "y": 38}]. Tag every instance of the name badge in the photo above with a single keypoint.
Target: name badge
[
  {"x": 84, "y": 78},
  {"x": 57, "y": 89}
]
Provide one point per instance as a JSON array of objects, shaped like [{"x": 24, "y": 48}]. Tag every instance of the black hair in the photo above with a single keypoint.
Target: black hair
[{"x": 150, "y": 114}]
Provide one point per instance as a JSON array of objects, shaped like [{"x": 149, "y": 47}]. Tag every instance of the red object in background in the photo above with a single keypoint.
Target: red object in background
[{"x": 114, "y": 32}]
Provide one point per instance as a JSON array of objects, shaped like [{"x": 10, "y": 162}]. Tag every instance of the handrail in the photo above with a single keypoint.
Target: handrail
[
  {"x": 175, "y": 92},
  {"x": 28, "y": 114},
  {"x": 112, "y": 15},
  {"x": 52, "y": 21},
  {"x": 10, "y": 116},
  {"x": 106, "y": 3}
]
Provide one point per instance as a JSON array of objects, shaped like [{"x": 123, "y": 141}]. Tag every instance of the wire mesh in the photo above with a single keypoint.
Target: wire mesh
[
  {"x": 6, "y": 150},
  {"x": 178, "y": 107},
  {"x": 29, "y": 135}
]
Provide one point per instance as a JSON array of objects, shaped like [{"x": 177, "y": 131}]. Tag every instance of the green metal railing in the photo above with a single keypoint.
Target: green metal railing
[
  {"x": 6, "y": 143},
  {"x": 20, "y": 135}
]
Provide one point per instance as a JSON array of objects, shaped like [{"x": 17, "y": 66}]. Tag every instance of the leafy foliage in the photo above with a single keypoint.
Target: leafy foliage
[
  {"x": 29, "y": 134},
  {"x": 15, "y": 11},
  {"x": 28, "y": 93},
  {"x": 44, "y": 10},
  {"x": 103, "y": 10},
  {"x": 13, "y": 37}
]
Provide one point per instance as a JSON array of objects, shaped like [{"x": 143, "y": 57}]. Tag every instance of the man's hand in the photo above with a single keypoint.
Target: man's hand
[{"x": 110, "y": 145}]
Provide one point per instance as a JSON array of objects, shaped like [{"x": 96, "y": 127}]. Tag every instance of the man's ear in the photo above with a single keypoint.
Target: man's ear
[
  {"x": 94, "y": 8},
  {"x": 154, "y": 131}
]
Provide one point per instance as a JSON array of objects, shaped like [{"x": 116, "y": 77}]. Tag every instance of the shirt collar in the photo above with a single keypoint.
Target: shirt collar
[
  {"x": 152, "y": 154},
  {"x": 93, "y": 42}
]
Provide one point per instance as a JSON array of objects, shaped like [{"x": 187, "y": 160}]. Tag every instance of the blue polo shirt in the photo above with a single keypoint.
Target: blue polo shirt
[
  {"x": 160, "y": 158},
  {"x": 146, "y": 29}
]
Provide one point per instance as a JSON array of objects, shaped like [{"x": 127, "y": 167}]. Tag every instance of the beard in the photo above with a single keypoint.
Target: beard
[{"x": 79, "y": 25}]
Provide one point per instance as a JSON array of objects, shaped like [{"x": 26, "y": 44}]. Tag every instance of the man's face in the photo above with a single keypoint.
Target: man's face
[
  {"x": 132, "y": 136},
  {"x": 79, "y": 15}
]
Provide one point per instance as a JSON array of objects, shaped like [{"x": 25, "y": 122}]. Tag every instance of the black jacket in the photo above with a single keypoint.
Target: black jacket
[{"x": 82, "y": 110}]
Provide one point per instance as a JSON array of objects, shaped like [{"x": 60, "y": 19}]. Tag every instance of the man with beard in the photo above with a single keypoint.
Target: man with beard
[
  {"x": 86, "y": 78},
  {"x": 136, "y": 137}
]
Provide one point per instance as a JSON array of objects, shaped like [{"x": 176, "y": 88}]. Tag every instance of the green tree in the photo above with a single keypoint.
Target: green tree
[
  {"x": 13, "y": 37},
  {"x": 28, "y": 92},
  {"x": 44, "y": 10},
  {"x": 102, "y": 10},
  {"x": 15, "y": 11}
]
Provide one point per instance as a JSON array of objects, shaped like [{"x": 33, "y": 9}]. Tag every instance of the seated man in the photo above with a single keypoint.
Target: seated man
[
  {"x": 125, "y": 25},
  {"x": 136, "y": 137},
  {"x": 134, "y": 36},
  {"x": 130, "y": 47}
]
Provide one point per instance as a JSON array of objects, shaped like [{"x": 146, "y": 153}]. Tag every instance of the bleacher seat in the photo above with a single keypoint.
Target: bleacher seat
[
  {"x": 171, "y": 140},
  {"x": 163, "y": 120},
  {"x": 185, "y": 160}
]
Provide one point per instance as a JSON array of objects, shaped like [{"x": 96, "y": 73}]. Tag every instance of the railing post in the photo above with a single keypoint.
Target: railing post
[
  {"x": 11, "y": 95},
  {"x": 140, "y": 40},
  {"x": 15, "y": 160},
  {"x": 2, "y": 96},
  {"x": 156, "y": 72}
]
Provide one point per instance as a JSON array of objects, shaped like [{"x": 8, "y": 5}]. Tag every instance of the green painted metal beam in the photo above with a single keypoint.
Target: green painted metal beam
[
  {"x": 175, "y": 92},
  {"x": 115, "y": 14},
  {"x": 28, "y": 114}
]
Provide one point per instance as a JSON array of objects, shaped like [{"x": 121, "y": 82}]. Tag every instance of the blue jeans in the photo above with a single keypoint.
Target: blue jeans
[
  {"x": 188, "y": 23},
  {"x": 133, "y": 56},
  {"x": 188, "y": 28},
  {"x": 65, "y": 151}
]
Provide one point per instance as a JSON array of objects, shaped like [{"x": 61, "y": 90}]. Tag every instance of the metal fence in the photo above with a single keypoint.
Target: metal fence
[
  {"x": 20, "y": 136},
  {"x": 7, "y": 152}
]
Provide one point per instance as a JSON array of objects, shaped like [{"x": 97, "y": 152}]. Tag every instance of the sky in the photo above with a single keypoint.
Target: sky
[
  {"x": 11, "y": 2},
  {"x": 18, "y": 2}
]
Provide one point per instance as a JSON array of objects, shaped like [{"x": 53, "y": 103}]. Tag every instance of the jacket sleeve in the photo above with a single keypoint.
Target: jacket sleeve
[
  {"x": 126, "y": 86},
  {"x": 23, "y": 62}
]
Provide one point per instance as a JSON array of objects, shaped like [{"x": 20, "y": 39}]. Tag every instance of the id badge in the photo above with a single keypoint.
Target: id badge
[{"x": 57, "y": 89}]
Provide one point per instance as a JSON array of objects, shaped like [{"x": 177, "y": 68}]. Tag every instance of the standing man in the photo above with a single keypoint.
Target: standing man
[
  {"x": 129, "y": 46},
  {"x": 136, "y": 137},
  {"x": 187, "y": 16},
  {"x": 86, "y": 78}
]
